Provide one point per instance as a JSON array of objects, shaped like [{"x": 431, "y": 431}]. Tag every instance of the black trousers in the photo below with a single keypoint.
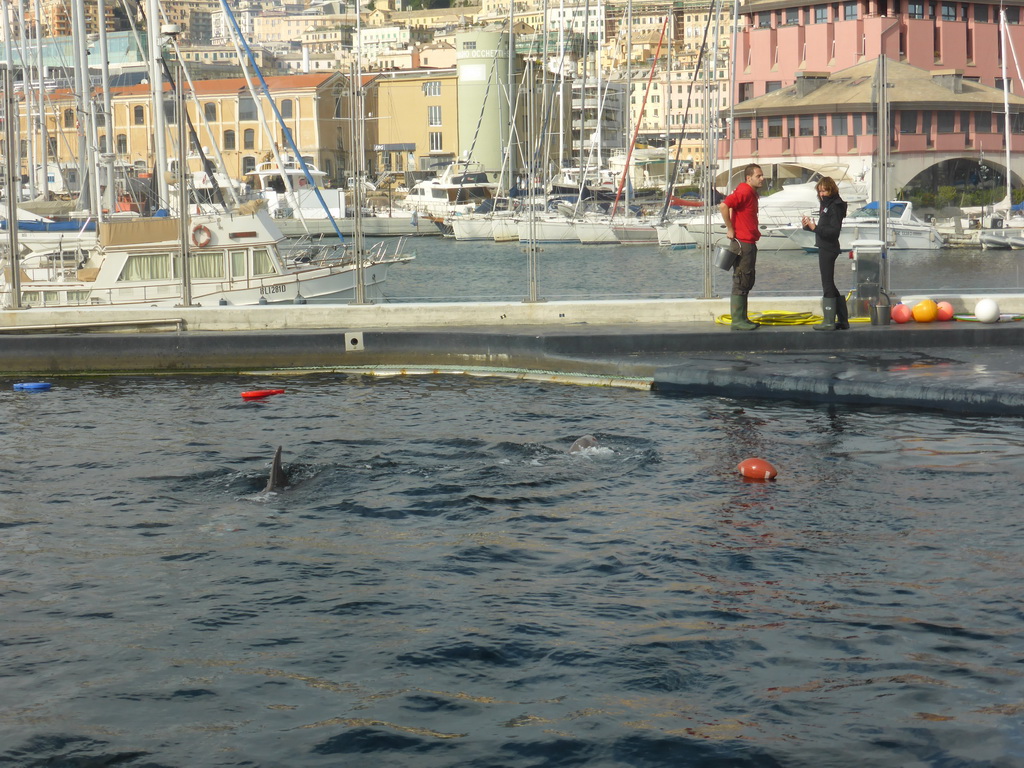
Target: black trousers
[
  {"x": 743, "y": 274},
  {"x": 827, "y": 268}
]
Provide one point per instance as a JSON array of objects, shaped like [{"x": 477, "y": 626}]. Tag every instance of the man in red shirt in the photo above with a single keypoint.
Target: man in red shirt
[{"x": 739, "y": 212}]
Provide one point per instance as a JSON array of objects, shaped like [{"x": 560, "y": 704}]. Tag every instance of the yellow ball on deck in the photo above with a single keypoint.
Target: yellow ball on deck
[{"x": 926, "y": 311}]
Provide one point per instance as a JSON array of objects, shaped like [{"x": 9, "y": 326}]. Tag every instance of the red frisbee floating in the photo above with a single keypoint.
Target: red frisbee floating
[
  {"x": 757, "y": 469},
  {"x": 256, "y": 394}
]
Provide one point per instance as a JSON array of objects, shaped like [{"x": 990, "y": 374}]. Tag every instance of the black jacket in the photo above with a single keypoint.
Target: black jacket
[{"x": 831, "y": 212}]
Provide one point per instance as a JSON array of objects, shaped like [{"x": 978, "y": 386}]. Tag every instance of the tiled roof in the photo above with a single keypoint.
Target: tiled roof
[{"x": 910, "y": 88}]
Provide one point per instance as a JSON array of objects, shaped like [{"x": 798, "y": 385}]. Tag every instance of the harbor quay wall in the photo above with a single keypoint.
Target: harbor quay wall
[
  {"x": 627, "y": 339},
  {"x": 511, "y": 314}
]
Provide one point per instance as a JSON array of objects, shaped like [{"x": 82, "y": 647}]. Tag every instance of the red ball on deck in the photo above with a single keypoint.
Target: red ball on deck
[
  {"x": 945, "y": 311},
  {"x": 901, "y": 313},
  {"x": 757, "y": 469}
]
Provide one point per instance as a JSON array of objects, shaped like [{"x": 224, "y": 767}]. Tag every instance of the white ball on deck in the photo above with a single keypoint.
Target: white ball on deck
[{"x": 987, "y": 311}]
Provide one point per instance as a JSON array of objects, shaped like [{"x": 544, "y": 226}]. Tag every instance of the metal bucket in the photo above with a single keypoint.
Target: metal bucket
[
  {"x": 727, "y": 255},
  {"x": 881, "y": 314}
]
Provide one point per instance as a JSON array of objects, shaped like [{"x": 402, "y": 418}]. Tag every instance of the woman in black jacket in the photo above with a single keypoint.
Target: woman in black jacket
[{"x": 831, "y": 212}]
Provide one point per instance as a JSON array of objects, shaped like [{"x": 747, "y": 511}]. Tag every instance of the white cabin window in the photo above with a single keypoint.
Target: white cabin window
[
  {"x": 155, "y": 266},
  {"x": 208, "y": 265},
  {"x": 262, "y": 264},
  {"x": 237, "y": 264}
]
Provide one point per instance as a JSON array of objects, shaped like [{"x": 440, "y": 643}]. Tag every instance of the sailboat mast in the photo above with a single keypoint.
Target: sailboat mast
[
  {"x": 31, "y": 135},
  {"x": 1006, "y": 109},
  {"x": 41, "y": 112},
  {"x": 12, "y": 149},
  {"x": 106, "y": 110},
  {"x": 156, "y": 85}
]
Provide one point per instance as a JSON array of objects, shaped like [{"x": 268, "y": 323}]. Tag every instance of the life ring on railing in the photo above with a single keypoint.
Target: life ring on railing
[{"x": 201, "y": 236}]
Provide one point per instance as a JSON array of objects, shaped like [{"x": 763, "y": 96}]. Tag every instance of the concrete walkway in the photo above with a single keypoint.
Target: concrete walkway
[{"x": 670, "y": 346}]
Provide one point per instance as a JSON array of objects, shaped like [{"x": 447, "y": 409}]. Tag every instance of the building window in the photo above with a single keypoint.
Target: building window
[
  {"x": 822, "y": 125},
  {"x": 229, "y": 140},
  {"x": 772, "y": 85},
  {"x": 948, "y": 12},
  {"x": 287, "y": 108},
  {"x": 764, "y": 20},
  {"x": 947, "y": 121},
  {"x": 122, "y": 143},
  {"x": 792, "y": 16},
  {"x": 432, "y": 88},
  {"x": 850, "y": 11},
  {"x": 743, "y": 128},
  {"x": 806, "y": 125},
  {"x": 210, "y": 111},
  {"x": 774, "y": 127},
  {"x": 980, "y": 12},
  {"x": 915, "y": 9},
  {"x": 436, "y": 145},
  {"x": 246, "y": 108},
  {"x": 872, "y": 124},
  {"x": 434, "y": 115},
  {"x": 746, "y": 91},
  {"x": 1008, "y": 82},
  {"x": 249, "y": 138},
  {"x": 840, "y": 125},
  {"x": 248, "y": 165},
  {"x": 469, "y": 45},
  {"x": 1012, "y": 14},
  {"x": 983, "y": 122},
  {"x": 139, "y": 115},
  {"x": 908, "y": 121},
  {"x": 821, "y": 14}
]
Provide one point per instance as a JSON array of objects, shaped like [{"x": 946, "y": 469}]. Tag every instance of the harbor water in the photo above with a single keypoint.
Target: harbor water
[
  {"x": 449, "y": 270},
  {"x": 444, "y": 584}
]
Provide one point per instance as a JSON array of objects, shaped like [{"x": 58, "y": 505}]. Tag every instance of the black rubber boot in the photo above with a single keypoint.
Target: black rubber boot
[
  {"x": 828, "y": 313},
  {"x": 842, "y": 315},
  {"x": 738, "y": 312}
]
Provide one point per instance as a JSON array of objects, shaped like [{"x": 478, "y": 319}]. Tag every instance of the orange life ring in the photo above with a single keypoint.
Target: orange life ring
[{"x": 201, "y": 236}]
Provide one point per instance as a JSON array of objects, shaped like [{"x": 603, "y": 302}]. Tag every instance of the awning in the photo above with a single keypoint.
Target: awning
[{"x": 394, "y": 147}]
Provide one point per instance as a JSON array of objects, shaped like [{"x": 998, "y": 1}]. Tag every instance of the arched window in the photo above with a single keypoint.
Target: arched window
[
  {"x": 248, "y": 165},
  {"x": 286, "y": 107},
  {"x": 122, "y": 144},
  {"x": 69, "y": 118},
  {"x": 249, "y": 139},
  {"x": 210, "y": 111},
  {"x": 229, "y": 140},
  {"x": 139, "y": 115}
]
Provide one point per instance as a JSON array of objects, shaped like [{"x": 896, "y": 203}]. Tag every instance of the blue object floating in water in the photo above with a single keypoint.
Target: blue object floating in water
[{"x": 33, "y": 386}]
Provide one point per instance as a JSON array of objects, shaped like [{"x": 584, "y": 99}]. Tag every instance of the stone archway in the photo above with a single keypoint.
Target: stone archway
[{"x": 956, "y": 181}]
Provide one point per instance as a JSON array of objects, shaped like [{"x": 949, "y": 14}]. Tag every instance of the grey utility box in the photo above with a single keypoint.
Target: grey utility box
[{"x": 868, "y": 266}]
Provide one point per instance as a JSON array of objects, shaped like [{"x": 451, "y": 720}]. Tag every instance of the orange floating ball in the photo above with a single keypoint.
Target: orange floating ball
[
  {"x": 757, "y": 469},
  {"x": 901, "y": 313},
  {"x": 926, "y": 311},
  {"x": 945, "y": 311}
]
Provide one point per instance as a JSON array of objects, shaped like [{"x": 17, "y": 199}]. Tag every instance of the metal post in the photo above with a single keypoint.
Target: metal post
[
  {"x": 183, "y": 213},
  {"x": 14, "y": 258},
  {"x": 358, "y": 137}
]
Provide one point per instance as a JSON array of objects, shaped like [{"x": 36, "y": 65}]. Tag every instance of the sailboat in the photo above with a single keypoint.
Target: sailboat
[{"x": 236, "y": 256}]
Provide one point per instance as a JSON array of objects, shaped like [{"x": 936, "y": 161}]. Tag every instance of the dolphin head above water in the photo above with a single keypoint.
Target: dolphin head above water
[
  {"x": 582, "y": 444},
  {"x": 278, "y": 478}
]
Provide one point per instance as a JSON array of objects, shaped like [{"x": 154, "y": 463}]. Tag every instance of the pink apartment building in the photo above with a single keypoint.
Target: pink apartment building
[{"x": 805, "y": 79}]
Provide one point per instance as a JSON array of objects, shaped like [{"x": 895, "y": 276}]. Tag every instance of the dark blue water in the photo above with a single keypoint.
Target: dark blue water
[
  {"x": 447, "y": 269},
  {"x": 444, "y": 585}
]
